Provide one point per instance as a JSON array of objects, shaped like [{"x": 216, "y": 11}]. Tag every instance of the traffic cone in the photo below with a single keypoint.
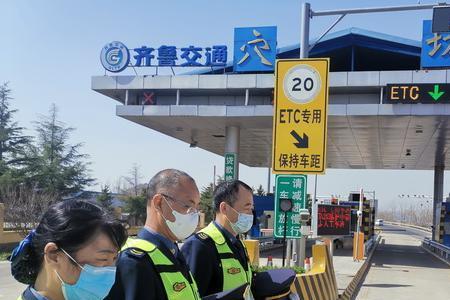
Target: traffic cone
[
  {"x": 307, "y": 264},
  {"x": 270, "y": 261}
]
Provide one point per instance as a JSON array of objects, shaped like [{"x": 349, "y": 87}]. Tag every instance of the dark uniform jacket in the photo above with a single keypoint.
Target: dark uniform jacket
[
  {"x": 202, "y": 257},
  {"x": 28, "y": 295},
  {"x": 137, "y": 278}
]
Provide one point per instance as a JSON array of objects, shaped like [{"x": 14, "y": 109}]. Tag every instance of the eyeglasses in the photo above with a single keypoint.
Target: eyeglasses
[{"x": 187, "y": 209}]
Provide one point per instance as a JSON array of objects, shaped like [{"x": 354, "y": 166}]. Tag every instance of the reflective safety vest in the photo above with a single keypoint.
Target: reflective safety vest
[
  {"x": 176, "y": 285},
  {"x": 234, "y": 274}
]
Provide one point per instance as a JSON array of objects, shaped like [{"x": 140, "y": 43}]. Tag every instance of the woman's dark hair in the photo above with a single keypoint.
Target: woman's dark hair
[{"x": 71, "y": 225}]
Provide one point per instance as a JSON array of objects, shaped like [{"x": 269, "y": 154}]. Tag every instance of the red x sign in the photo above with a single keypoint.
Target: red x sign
[{"x": 149, "y": 98}]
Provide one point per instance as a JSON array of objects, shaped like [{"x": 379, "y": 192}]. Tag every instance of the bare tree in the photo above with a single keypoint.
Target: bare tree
[
  {"x": 134, "y": 180},
  {"x": 119, "y": 186},
  {"x": 24, "y": 206},
  {"x": 419, "y": 214}
]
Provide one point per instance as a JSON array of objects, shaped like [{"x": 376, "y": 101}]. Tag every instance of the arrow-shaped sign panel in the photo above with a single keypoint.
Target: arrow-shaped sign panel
[{"x": 300, "y": 142}]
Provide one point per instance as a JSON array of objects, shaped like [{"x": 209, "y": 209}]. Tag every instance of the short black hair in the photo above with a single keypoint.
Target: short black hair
[
  {"x": 227, "y": 192},
  {"x": 166, "y": 180},
  {"x": 71, "y": 225}
]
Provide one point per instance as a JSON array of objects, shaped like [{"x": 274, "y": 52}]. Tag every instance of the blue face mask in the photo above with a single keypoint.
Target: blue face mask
[
  {"x": 94, "y": 283},
  {"x": 243, "y": 223}
]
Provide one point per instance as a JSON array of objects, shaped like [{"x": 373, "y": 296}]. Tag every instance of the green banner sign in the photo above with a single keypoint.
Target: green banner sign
[
  {"x": 289, "y": 188},
  {"x": 230, "y": 166}
]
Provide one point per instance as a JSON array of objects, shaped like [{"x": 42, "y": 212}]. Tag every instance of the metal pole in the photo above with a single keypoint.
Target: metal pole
[
  {"x": 314, "y": 208},
  {"x": 326, "y": 31},
  {"x": 358, "y": 225},
  {"x": 304, "y": 52},
  {"x": 372, "y": 10},
  {"x": 284, "y": 237},
  {"x": 178, "y": 98},
  {"x": 214, "y": 178},
  {"x": 247, "y": 96},
  {"x": 437, "y": 199},
  {"x": 288, "y": 253},
  {"x": 269, "y": 177},
  {"x": 302, "y": 250},
  {"x": 304, "y": 30},
  {"x": 361, "y": 200}
]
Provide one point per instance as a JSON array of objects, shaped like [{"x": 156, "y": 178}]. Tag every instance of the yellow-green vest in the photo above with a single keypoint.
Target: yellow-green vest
[
  {"x": 234, "y": 273},
  {"x": 176, "y": 285}
]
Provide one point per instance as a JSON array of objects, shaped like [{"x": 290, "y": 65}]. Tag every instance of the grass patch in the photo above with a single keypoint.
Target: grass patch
[{"x": 4, "y": 255}]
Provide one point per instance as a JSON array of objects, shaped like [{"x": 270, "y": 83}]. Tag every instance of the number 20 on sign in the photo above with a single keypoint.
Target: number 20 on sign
[{"x": 300, "y": 118}]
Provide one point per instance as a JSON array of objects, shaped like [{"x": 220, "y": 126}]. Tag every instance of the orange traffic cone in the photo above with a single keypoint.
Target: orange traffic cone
[{"x": 270, "y": 261}]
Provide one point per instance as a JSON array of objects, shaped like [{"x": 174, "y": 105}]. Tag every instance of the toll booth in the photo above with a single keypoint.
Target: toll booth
[{"x": 368, "y": 217}]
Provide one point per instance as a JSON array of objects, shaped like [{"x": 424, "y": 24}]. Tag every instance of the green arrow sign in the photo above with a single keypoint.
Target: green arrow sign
[{"x": 436, "y": 94}]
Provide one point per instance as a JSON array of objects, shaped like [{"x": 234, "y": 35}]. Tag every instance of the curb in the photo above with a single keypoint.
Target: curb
[{"x": 353, "y": 288}]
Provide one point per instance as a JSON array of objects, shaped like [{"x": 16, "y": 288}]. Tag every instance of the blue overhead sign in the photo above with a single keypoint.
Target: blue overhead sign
[
  {"x": 435, "y": 48},
  {"x": 115, "y": 56},
  {"x": 255, "y": 49}
]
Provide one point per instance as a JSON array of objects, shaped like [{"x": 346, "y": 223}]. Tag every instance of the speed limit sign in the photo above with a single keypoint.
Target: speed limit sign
[
  {"x": 301, "y": 84},
  {"x": 300, "y": 119}
]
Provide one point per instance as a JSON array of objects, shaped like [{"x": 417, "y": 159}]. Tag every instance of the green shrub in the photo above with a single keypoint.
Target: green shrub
[{"x": 297, "y": 270}]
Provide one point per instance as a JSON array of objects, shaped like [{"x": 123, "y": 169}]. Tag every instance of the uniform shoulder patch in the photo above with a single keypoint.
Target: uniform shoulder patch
[
  {"x": 136, "y": 252},
  {"x": 234, "y": 271},
  {"x": 179, "y": 286},
  {"x": 202, "y": 236}
]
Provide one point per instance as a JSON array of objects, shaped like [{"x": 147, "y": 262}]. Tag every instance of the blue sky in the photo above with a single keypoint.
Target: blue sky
[{"x": 50, "y": 49}]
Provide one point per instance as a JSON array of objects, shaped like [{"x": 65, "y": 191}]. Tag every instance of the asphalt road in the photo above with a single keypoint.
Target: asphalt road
[
  {"x": 9, "y": 288},
  {"x": 401, "y": 269}
]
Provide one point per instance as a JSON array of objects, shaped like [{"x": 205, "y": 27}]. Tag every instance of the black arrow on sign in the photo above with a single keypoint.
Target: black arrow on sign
[{"x": 301, "y": 142}]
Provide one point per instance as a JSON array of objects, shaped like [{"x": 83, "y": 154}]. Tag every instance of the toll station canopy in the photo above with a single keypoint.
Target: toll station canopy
[{"x": 367, "y": 129}]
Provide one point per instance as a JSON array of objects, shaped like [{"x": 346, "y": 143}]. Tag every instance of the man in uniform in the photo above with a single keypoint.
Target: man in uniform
[
  {"x": 152, "y": 267},
  {"x": 216, "y": 256}
]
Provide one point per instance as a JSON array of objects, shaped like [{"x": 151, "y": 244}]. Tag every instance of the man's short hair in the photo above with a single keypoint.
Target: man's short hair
[
  {"x": 165, "y": 181},
  {"x": 228, "y": 192}
]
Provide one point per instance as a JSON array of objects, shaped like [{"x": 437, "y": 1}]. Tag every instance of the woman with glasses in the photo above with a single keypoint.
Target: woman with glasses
[{"x": 71, "y": 255}]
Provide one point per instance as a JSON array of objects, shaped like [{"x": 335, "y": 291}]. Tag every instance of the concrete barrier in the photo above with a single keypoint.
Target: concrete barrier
[
  {"x": 352, "y": 289},
  {"x": 320, "y": 282}
]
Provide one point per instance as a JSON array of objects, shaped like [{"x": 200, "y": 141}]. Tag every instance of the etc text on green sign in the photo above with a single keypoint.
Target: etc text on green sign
[
  {"x": 291, "y": 187},
  {"x": 230, "y": 166}
]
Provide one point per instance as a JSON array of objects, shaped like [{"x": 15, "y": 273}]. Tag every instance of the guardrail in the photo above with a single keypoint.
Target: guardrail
[
  {"x": 438, "y": 249},
  {"x": 408, "y": 225},
  {"x": 369, "y": 245}
]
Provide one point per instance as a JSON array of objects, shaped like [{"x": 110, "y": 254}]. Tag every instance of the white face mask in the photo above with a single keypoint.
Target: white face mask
[
  {"x": 243, "y": 223},
  {"x": 184, "y": 225}
]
